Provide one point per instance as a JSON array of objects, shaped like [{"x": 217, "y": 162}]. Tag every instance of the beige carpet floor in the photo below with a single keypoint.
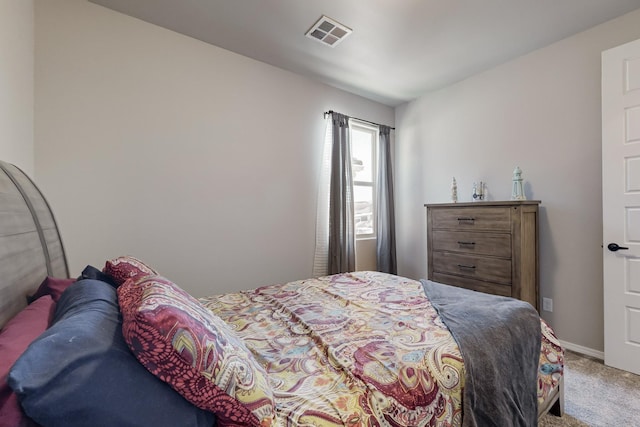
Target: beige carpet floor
[{"x": 597, "y": 395}]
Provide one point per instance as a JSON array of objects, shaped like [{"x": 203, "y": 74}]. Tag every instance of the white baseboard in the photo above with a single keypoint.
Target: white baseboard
[{"x": 582, "y": 350}]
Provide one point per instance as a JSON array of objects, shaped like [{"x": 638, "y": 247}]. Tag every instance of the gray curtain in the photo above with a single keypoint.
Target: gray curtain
[
  {"x": 385, "y": 226},
  {"x": 342, "y": 243}
]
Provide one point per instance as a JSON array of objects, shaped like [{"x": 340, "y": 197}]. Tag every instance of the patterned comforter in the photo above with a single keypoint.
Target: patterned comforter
[{"x": 359, "y": 349}]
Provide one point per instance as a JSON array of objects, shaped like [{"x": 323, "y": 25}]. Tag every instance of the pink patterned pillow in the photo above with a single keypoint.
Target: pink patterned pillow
[
  {"x": 126, "y": 267},
  {"x": 181, "y": 342}
]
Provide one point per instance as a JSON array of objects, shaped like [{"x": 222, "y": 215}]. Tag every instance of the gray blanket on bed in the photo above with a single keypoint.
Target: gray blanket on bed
[{"x": 500, "y": 386}]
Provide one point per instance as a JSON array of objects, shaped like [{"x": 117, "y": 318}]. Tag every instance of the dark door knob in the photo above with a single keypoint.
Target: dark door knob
[{"x": 615, "y": 247}]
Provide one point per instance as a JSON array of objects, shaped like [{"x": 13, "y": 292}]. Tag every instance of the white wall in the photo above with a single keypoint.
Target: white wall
[
  {"x": 16, "y": 83},
  {"x": 200, "y": 161},
  {"x": 541, "y": 112}
]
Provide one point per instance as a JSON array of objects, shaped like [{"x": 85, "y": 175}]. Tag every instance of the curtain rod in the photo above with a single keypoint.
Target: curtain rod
[{"x": 362, "y": 120}]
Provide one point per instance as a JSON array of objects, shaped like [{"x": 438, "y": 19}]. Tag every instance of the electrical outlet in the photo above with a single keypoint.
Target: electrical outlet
[{"x": 547, "y": 304}]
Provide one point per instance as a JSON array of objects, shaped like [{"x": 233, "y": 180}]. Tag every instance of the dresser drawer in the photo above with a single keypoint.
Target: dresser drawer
[
  {"x": 496, "y": 244},
  {"x": 473, "y": 284},
  {"x": 478, "y": 267},
  {"x": 472, "y": 218}
]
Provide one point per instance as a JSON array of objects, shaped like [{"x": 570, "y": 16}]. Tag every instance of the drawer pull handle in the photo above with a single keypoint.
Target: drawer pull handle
[
  {"x": 466, "y": 243},
  {"x": 466, "y": 219},
  {"x": 466, "y": 266}
]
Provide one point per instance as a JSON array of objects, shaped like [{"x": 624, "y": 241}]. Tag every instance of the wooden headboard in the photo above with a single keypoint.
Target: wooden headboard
[{"x": 30, "y": 243}]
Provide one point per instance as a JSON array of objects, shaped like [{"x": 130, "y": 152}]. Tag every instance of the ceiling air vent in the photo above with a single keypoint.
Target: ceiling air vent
[{"x": 328, "y": 32}]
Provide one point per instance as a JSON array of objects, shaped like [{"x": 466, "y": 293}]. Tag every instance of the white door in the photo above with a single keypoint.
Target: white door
[{"x": 621, "y": 205}]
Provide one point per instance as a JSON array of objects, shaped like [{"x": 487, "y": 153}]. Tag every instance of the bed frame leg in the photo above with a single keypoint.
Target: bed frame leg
[{"x": 558, "y": 407}]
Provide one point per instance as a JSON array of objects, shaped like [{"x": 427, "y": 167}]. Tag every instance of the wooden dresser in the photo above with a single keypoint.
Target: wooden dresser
[{"x": 485, "y": 246}]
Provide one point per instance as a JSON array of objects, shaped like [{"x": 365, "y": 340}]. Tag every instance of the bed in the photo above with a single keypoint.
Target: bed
[{"x": 123, "y": 345}]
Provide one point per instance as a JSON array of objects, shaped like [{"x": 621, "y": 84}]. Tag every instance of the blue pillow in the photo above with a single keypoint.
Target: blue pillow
[
  {"x": 81, "y": 372},
  {"x": 90, "y": 272}
]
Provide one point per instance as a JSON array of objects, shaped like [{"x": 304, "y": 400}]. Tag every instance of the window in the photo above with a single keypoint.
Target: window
[{"x": 364, "y": 140}]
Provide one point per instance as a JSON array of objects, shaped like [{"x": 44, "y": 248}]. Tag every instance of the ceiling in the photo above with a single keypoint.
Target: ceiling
[{"x": 399, "y": 49}]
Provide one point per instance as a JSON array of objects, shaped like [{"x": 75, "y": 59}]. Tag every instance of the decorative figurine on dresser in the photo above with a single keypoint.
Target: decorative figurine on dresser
[{"x": 489, "y": 247}]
